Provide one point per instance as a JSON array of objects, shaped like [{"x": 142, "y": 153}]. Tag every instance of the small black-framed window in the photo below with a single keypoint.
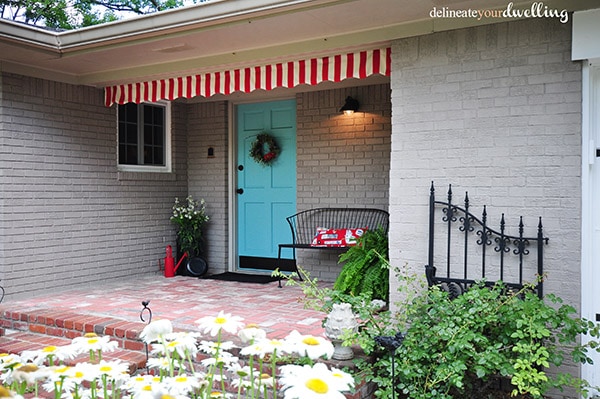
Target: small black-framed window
[{"x": 143, "y": 136}]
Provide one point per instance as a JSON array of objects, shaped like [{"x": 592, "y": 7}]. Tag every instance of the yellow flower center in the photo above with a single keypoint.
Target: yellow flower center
[
  {"x": 92, "y": 341},
  {"x": 4, "y": 393},
  {"x": 90, "y": 335},
  {"x": 310, "y": 341},
  {"x": 181, "y": 378},
  {"x": 62, "y": 369},
  {"x": 317, "y": 385},
  {"x": 147, "y": 388},
  {"x": 79, "y": 374},
  {"x": 220, "y": 320},
  {"x": 105, "y": 369},
  {"x": 28, "y": 368},
  {"x": 167, "y": 397},
  {"x": 49, "y": 349}
]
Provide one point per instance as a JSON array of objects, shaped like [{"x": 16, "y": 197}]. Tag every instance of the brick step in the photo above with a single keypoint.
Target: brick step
[
  {"x": 16, "y": 342},
  {"x": 61, "y": 324}
]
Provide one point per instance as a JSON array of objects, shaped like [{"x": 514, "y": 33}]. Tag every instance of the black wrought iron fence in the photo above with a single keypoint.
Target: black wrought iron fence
[{"x": 472, "y": 251}]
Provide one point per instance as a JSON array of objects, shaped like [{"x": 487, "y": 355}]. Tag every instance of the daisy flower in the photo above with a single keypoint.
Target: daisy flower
[
  {"x": 28, "y": 373},
  {"x": 114, "y": 370},
  {"x": 93, "y": 344},
  {"x": 156, "y": 330},
  {"x": 145, "y": 387},
  {"x": 309, "y": 345},
  {"x": 266, "y": 346},
  {"x": 50, "y": 353},
  {"x": 223, "y": 321},
  {"x": 141, "y": 383},
  {"x": 7, "y": 360},
  {"x": 212, "y": 348},
  {"x": 160, "y": 363},
  {"x": 225, "y": 359},
  {"x": 252, "y": 333},
  {"x": 56, "y": 377},
  {"x": 344, "y": 381},
  {"x": 182, "y": 385},
  {"x": 182, "y": 343},
  {"x": 316, "y": 382}
]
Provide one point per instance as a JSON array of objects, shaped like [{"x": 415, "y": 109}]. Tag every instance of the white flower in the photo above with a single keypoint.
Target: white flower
[
  {"x": 182, "y": 385},
  {"x": 212, "y": 348},
  {"x": 146, "y": 387},
  {"x": 141, "y": 386},
  {"x": 267, "y": 346},
  {"x": 183, "y": 343},
  {"x": 56, "y": 353},
  {"x": 29, "y": 373},
  {"x": 252, "y": 333},
  {"x": 223, "y": 321},
  {"x": 345, "y": 380},
  {"x": 56, "y": 376},
  {"x": 116, "y": 372},
  {"x": 156, "y": 330},
  {"x": 92, "y": 342},
  {"x": 316, "y": 382},
  {"x": 225, "y": 359},
  {"x": 161, "y": 363},
  {"x": 309, "y": 345}
]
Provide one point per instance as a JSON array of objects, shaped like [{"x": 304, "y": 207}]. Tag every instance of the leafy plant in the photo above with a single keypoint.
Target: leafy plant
[
  {"x": 455, "y": 348},
  {"x": 366, "y": 267},
  {"x": 189, "y": 219}
]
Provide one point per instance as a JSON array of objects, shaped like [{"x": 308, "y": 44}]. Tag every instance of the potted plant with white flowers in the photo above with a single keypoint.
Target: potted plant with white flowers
[{"x": 190, "y": 217}]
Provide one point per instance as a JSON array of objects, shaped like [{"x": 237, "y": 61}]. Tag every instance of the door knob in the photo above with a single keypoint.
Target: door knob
[{"x": 240, "y": 191}]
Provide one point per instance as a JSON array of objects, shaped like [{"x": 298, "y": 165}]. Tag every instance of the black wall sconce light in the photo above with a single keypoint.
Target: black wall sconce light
[{"x": 350, "y": 107}]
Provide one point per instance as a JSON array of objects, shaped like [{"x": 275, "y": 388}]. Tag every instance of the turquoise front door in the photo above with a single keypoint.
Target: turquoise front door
[{"x": 266, "y": 194}]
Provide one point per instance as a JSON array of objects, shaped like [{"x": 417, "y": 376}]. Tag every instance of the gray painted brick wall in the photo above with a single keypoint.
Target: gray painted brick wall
[
  {"x": 343, "y": 161},
  {"x": 494, "y": 110},
  {"x": 207, "y": 127},
  {"x": 68, "y": 216}
]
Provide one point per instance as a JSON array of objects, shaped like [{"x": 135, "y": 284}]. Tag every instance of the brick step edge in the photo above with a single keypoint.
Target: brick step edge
[
  {"x": 70, "y": 325},
  {"x": 17, "y": 342}
]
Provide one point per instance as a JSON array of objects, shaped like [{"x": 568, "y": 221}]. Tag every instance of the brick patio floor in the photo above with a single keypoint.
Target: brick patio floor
[{"x": 183, "y": 300}]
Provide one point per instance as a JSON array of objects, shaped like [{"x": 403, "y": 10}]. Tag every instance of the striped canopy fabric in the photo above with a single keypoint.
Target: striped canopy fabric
[{"x": 312, "y": 71}]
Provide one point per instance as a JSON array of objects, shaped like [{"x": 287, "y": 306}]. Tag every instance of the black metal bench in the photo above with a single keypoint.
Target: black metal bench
[
  {"x": 304, "y": 227},
  {"x": 498, "y": 256}
]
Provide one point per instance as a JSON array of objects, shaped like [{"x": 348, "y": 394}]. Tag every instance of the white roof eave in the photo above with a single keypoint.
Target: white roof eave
[{"x": 204, "y": 15}]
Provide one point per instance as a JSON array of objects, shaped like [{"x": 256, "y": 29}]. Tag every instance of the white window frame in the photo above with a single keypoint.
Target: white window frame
[{"x": 167, "y": 167}]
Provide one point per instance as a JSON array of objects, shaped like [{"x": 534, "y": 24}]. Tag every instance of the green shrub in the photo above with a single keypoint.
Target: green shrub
[
  {"x": 366, "y": 267},
  {"x": 455, "y": 347},
  {"x": 459, "y": 348}
]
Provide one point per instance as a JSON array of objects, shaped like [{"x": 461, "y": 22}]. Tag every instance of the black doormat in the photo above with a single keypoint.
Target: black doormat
[
  {"x": 256, "y": 262},
  {"x": 242, "y": 277}
]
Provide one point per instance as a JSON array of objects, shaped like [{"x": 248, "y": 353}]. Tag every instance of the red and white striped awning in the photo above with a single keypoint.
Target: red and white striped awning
[{"x": 312, "y": 71}]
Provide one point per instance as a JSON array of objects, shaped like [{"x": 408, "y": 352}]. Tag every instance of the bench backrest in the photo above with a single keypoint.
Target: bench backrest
[{"x": 304, "y": 224}]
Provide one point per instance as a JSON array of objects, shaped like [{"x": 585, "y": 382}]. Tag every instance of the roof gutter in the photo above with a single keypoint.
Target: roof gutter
[{"x": 204, "y": 15}]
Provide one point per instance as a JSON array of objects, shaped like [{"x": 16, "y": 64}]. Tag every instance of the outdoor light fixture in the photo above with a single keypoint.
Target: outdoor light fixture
[{"x": 350, "y": 106}]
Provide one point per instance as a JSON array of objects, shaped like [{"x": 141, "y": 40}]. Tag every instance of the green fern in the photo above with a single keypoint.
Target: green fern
[{"x": 365, "y": 268}]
